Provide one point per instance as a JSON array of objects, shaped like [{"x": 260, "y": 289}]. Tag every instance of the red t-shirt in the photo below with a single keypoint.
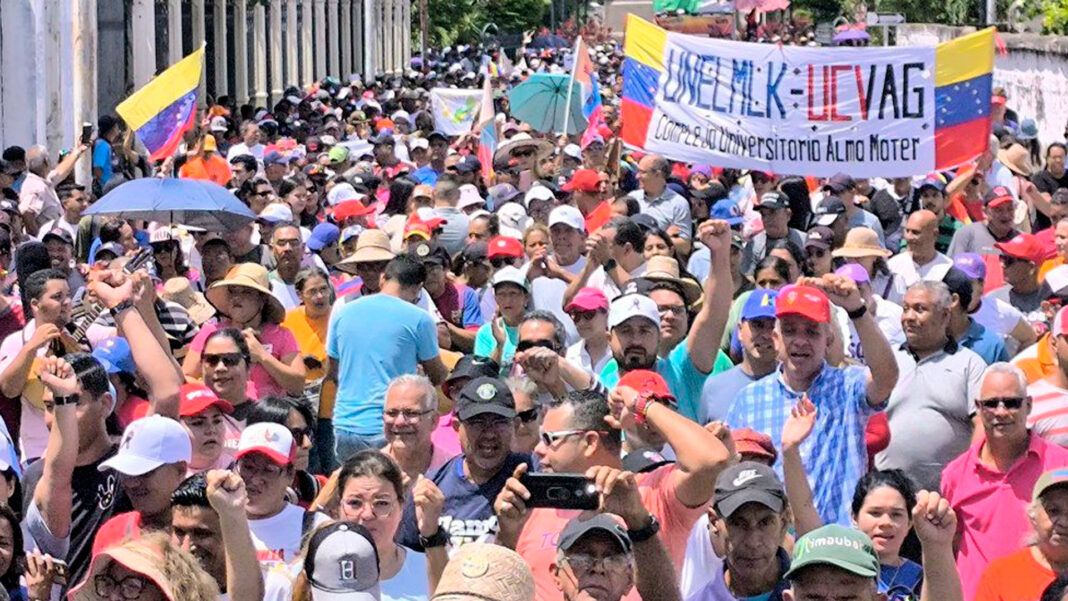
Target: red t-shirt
[{"x": 116, "y": 530}]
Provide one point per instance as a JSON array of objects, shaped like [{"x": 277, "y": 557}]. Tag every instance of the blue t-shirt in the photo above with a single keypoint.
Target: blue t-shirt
[
  {"x": 375, "y": 339},
  {"x": 901, "y": 583},
  {"x": 102, "y": 160},
  {"x": 718, "y": 393},
  {"x": 984, "y": 343},
  {"x": 467, "y": 515},
  {"x": 683, "y": 378}
]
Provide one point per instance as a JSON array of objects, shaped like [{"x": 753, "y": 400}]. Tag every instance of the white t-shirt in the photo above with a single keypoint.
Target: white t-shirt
[
  {"x": 578, "y": 355},
  {"x": 548, "y": 294},
  {"x": 700, "y": 564},
  {"x": 276, "y": 587},
  {"x": 907, "y": 273},
  {"x": 241, "y": 148},
  {"x": 1001, "y": 318},
  {"x": 277, "y": 538},
  {"x": 410, "y": 583}
]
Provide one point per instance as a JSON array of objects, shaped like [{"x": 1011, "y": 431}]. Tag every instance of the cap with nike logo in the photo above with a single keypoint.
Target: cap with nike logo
[{"x": 748, "y": 482}]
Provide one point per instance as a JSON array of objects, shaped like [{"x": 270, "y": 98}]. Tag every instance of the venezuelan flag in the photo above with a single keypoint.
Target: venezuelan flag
[
  {"x": 643, "y": 61},
  {"x": 487, "y": 132},
  {"x": 165, "y": 108},
  {"x": 963, "y": 83}
]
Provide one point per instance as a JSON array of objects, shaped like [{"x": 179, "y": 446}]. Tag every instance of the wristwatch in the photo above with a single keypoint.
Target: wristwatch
[
  {"x": 438, "y": 539},
  {"x": 858, "y": 313},
  {"x": 645, "y": 532},
  {"x": 119, "y": 308},
  {"x": 71, "y": 399}
]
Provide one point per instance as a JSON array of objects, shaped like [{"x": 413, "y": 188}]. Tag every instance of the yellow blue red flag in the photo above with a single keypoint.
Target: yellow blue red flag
[{"x": 165, "y": 108}]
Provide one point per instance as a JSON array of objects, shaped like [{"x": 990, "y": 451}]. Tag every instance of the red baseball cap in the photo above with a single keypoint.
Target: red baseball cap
[
  {"x": 751, "y": 442},
  {"x": 351, "y": 208},
  {"x": 997, "y": 196},
  {"x": 998, "y": 100},
  {"x": 195, "y": 398},
  {"x": 504, "y": 246},
  {"x": 806, "y": 301},
  {"x": 584, "y": 180},
  {"x": 647, "y": 382},
  {"x": 1023, "y": 246}
]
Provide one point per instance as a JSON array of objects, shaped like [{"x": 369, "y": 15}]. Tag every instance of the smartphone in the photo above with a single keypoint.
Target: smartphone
[
  {"x": 87, "y": 132},
  {"x": 61, "y": 571},
  {"x": 560, "y": 491}
]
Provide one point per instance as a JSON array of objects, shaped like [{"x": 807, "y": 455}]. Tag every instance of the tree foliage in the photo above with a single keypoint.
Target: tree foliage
[{"x": 461, "y": 21}]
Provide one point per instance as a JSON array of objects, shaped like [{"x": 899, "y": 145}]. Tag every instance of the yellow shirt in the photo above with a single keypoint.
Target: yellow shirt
[{"x": 311, "y": 338}]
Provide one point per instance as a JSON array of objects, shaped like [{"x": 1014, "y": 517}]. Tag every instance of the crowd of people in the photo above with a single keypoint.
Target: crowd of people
[{"x": 772, "y": 386}]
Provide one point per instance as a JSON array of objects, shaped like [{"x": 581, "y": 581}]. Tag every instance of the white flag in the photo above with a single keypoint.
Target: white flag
[{"x": 454, "y": 110}]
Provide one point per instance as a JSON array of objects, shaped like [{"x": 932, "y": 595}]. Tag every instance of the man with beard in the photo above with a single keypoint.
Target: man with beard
[
  {"x": 582, "y": 434},
  {"x": 485, "y": 420},
  {"x": 836, "y": 454},
  {"x": 635, "y": 322},
  {"x": 288, "y": 250},
  {"x": 758, "y": 357}
]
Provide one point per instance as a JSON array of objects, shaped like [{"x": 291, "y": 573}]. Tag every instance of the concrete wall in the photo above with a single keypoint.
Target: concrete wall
[{"x": 1034, "y": 73}]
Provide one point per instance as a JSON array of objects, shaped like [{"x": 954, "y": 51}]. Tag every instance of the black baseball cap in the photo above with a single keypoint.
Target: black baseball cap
[
  {"x": 475, "y": 252},
  {"x": 829, "y": 210},
  {"x": 644, "y": 461},
  {"x": 774, "y": 200},
  {"x": 840, "y": 182},
  {"x": 604, "y": 523},
  {"x": 58, "y": 233},
  {"x": 429, "y": 252},
  {"x": 473, "y": 366},
  {"x": 485, "y": 395},
  {"x": 748, "y": 482}
]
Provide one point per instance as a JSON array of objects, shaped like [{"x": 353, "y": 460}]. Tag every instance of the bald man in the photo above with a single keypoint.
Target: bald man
[
  {"x": 920, "y": 260},
  {"x": 670, "y": 210}
]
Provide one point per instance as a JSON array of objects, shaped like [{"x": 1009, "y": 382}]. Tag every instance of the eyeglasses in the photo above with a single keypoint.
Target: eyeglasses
[
  {"x": 227, "y": 359},
  {"x": 582, "y": 563},
  {"x": 408, "y": 414},
  {"x": 264, "y": 470},
  {"x": 129, "y": 587},
  {"x": 551, "y": 438},
  {"x": 301, "y": 434},
  {"x": 672, "y": 309},
  {"x": 380, "y": 508},
  {"x": 526, "y": 345},
  {"x": 1010, "y": 403},
  {"x": 529, "y": 415},
  {"x": 1008, "y": 261}
]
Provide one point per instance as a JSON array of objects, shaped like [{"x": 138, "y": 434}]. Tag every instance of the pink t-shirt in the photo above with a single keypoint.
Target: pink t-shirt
[
  {"x": 537, "y": 542},
  {"x": 278, "y": 341},
  {"x": 992, "y": 507},
  {"x": 445, "y": 437}
]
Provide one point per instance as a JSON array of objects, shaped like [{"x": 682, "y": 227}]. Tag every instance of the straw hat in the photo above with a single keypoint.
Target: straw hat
[
  {"x": 371, "y": 247},
  {"x": 1017, "y": 159},
  {"x": 480, "y": 571},
  {"x": 247, "y": 275},
  {"x": 861, "y": 242},
  {"x": 180, "y": 290},
  {"x": 136, "y": 556},
  {"x": 666, "y": 269},
  {"x": 541, "y": 146}
]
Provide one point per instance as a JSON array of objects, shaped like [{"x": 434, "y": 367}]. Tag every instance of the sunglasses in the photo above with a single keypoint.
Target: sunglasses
[
  {"x": 522, "y": 153},
  {"x": 577, "y": 316},
  {"x": 227, "y": 359},
  {"x": 529, "y": 415},
  {"x": 301, "y": 434},
  {"x": 1010, "y": 403},
  {"x": 526, "y": 345},
  {"x": 498, "y": 262}
]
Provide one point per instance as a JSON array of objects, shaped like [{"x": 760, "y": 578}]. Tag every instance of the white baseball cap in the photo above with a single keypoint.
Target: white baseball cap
[
  {"x": 273, "y": 440},
  {"x": 511, "y": 275},
  {"x": 569, "y": 216},
  {"x": 219, "y": 124},
  {"x": 469, "y": 197},
  {"x": 149, "y": 443},
  {"x": 633, "y": 305},
  {"x": 342, "y": 192},
  {"x": 537, "y": 193},
  {"x": 276, "y": 212},
  {"x": 419, "y": 143},
  {"x": 573, "y": 151}
]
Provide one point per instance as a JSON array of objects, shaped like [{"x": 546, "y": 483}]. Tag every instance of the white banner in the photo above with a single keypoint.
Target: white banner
[{"x": 454, "y": 110}]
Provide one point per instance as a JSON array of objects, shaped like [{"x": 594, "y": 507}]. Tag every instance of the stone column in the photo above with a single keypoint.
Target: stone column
[
  {"x": 320, "y": 39},
  {"x": 241, "y": 50},
  {"x": 221, "y": 71},
  {"x": 369, "y": 44},
  {"x": 196, "y": 28},
  {"x": 406, "y": 34},
  {"x": 380, "y": 36},
  {"x": 84, "y": 65},
  {"x": 292, "y": 49},
  {"x": 333, "y": 44},
  {"x": 307, "y": 60},
  {"x": 275, "y": 36},
  {"x": 259, "y": 55},
  {"x": 398, "y": 36},
  {"x": 358, "y": 36},
  {"x": 174, "y": 31},
  {"x": 346, "y": 40},
  {"x": 143, "y": 41},
  {"x": 387, "y": 36}
]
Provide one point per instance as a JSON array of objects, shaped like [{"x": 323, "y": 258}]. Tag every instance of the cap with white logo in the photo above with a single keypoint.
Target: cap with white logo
[
  {"x": 342, "y": 563},
  {"x": 633, "y": 305},
  {"x": 148, "y": 443},
  {"x": 748, "y": 482}
]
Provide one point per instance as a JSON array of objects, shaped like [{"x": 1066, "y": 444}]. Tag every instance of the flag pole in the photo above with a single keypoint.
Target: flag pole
[{"x": 571, "y": 83}]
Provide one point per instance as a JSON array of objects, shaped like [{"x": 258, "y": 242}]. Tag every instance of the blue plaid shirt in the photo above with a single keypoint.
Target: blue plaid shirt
[{"x": 834, "y": 455}]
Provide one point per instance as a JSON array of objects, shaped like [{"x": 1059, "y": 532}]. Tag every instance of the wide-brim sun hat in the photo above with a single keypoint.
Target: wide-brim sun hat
[
  {"x": 861, "y": 242},
  {"x": 542, "y": 147},
  {"x": 246, "y": 275},
  {"x": 666, "y": 269}
]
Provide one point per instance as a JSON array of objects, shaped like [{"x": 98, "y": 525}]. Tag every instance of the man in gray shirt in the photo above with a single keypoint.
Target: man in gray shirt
[
  {"x": 663, "y": 204},
  {"x": 930, "y": 409},
  {"x": 998, "y": 206},
  {"x": 454, "y": 232}
]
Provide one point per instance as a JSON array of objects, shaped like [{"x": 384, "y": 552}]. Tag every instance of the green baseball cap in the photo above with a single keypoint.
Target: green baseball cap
[
  {"x": 338, "y": 154},
  {"x": 1051, "y": 479},
  {"x": 838, "y": 546}
]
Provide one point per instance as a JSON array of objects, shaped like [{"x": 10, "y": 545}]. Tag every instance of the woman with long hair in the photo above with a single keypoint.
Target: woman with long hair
[
  {"x": 882, "y": 509},
  {"x": 149, "y": 568}
]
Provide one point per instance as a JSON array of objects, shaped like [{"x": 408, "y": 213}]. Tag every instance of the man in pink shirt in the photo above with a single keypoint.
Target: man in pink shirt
[
  {"x": 989, "y": 486},
  {"x": 576, "y": 439}
]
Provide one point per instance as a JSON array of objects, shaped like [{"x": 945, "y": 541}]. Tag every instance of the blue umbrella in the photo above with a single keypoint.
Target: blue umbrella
[
  {"x": 189, "y": 202},
  {"x": 540, "y": 101}
]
